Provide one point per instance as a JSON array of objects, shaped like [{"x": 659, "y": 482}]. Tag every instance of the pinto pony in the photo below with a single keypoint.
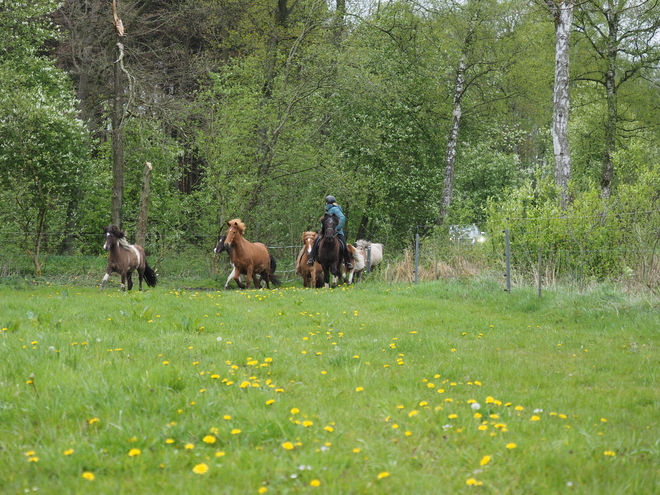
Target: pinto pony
[
  {"x": 125, "y": 258},
  {"x": 373, "y": 252},
  {"x": 359, "y": 263},
  {"x": 329, "y": 254},
  {"x": 311, "y": 275},
  {"x": 249, "y": 258}
]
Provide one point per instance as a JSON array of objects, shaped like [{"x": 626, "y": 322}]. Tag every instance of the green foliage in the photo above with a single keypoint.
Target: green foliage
[{"x": 593, "y": 237}]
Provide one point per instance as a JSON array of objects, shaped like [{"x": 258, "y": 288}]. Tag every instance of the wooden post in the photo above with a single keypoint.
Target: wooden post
[{"x": 143, "y": 215}]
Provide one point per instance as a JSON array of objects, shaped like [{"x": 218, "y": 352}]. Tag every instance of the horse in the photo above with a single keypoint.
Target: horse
[
  {"x": 359, "y": 263},
  {"x": 220, "y": 247},
  {"x": 125, "y": 258},
  {"x": 373, "y": 252},
  {"x": 329, "y": 254},
  {"x": 311, "y": 275},
  {"x": 249, "y": 258}
]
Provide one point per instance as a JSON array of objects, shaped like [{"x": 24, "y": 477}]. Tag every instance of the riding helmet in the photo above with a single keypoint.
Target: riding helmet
[{"x": 330, "y": 199}]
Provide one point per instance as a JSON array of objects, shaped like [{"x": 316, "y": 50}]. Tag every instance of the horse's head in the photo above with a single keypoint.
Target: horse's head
[
  {"x": 112, "y": 236},
  {"x": 220, "y": 246},
  {"x": 329, "y": 223},
  {"x": 308, "y": 239},
  {"x": 235, "y": 228}
]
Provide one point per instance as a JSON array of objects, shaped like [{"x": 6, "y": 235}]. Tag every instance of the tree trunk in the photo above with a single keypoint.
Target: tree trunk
[
  {"x": 562, "y": 12},
  {"x": 117, "y": 127},
  {"x": 450, "y": 159},
  {"x": 141, "y": 236},
  {"x": 612, "y": 116}
]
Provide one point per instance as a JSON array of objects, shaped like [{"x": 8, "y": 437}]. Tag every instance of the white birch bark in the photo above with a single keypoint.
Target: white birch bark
[{"x": 562, "y": 11}]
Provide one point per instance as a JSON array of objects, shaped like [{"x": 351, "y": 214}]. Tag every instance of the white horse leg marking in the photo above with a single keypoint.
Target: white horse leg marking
[
  {"x": 105, "y": 279},
  {"x": 231, "y": 276}
]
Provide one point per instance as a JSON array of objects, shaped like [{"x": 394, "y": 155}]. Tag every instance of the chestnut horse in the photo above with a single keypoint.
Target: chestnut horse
[
  {"x": 249, "y": 258},
  {"x": 329, "y": 254},
  {"x": 311, "y": 275},
  {"x": 125, "y": 258}
]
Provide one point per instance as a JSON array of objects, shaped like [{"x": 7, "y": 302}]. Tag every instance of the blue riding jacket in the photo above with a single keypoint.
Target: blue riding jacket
[{"x": 336, "y": 209}]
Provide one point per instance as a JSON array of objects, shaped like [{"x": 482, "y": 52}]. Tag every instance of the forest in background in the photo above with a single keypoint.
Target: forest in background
[{"x": 415, "y": 115}]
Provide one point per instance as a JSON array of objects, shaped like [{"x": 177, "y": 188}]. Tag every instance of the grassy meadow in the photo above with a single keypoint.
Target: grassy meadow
[{"x": 444, "y": 387}]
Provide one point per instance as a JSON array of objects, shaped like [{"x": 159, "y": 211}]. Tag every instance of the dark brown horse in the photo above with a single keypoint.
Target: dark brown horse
[
  {"x": 312, "y": 275},
  {"x": 249, "y": 258},
  {"x": 125, "y": 258},
  {"x": 329, "y": 254}
]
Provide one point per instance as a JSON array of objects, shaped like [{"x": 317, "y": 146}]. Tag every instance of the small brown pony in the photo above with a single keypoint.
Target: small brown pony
[
  {"x": 312, "y": 275},
  {"x": 125, "y": 258},
  {"x": 249, "y": 258}
]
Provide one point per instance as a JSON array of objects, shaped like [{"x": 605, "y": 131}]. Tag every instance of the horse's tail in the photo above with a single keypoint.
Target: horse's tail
[
  {"x": 273, "y": 265},
  {"x": 150, "y": 275}
]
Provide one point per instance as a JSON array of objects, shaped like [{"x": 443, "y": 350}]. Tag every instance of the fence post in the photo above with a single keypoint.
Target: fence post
[
  {"x": 368, "y": 268},
  {"x": 508, "y": 260},
  {"x": 540, "y": 268},
  {"x": 416, "y": 257}
]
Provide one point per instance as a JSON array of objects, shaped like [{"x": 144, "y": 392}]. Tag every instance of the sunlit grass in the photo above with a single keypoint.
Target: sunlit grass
[{"x": 437, "y": 388}]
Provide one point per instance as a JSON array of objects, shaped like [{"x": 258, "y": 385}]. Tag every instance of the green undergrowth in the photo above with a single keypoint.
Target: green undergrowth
[{"x": 443, "y": 387}]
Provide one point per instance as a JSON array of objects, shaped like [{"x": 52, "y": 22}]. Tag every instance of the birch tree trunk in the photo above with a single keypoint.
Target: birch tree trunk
[
  {"x": 452, "y": 142},
  {"x": 562, "y": 11}
]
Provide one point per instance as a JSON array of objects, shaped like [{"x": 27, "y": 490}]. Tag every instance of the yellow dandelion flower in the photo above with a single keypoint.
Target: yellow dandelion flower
[
  {"x": 200, "y": 469},
  {"x": 609, "y": 453},
  {"x": 220, "y": 453},
  {"x": 483, "y": 427},
  {"x": 535, "y": 418},
  {"x": 268, "y": 403},
  {"x": 359, "y": 389},
  {"x": 189, "y": 446},
  {"x": 519, "y": 408},
  {"x": 453, "y": 416},
  {"x": 88, "y": 476},
  {"x": 315, "y": 483},
  {"x": 413, "y": 413},
  {"x": 307, "y": 423},
  {"x": 209, "y": 439},
  {"x": 511, "y": 446},
  {"x": 473, "y": 482},
  {"x": 134, "y": 452},
  {"x": 93, "y": 420},
  {"x": 382, "y": 475},
  {"x": 235, "y": 431},
  {"x": 329, "y": 429},
  {"x": 485, "y": 460},
  {"x": 287, "y": 446},
  {"x": 33, "y": 459},
  {"x": 356, "y": 450},
  {"x": 262, "y": 489},
  {"x": 68, "y": 452}
]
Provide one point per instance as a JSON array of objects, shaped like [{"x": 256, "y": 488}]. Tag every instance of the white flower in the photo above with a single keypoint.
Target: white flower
[{"x": 475, "y": 406}]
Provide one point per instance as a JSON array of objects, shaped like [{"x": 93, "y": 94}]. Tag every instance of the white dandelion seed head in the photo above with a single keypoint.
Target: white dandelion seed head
[
  {"x": 475, "y": 406},
  {"x": 219, "y": 339}
]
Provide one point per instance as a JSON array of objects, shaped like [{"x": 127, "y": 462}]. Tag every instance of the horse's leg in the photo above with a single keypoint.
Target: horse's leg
[
  {"x": 123, "y": 281},
  {"x": 105, "y": 279},
  {"x": 231, "y": 275},
  {"x": 129, "y": 278},
  {"x": 140, "y": 277}
]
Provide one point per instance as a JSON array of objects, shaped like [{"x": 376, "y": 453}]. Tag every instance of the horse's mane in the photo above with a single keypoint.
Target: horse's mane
[
  {"x": 120, "y": 235},
  {"x": 239, "y": 225}
]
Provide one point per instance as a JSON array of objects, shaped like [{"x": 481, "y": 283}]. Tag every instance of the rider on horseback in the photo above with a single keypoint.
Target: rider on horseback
[{"x": 332, "y": 207}]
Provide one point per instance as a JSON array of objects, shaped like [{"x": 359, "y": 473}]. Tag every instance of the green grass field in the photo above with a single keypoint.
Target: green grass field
[{"x": 440, "y": 388}]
